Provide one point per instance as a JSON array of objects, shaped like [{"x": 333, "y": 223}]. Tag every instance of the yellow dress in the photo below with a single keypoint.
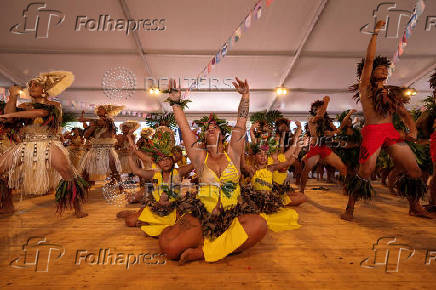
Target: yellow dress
[
  {"x": 280, "y": 177},
  {"x": 209, "y": 194},
  {"x": 157, "y": 223},
  {"x": 182, "y": 162},
  {"x": 285, "y": 218}
]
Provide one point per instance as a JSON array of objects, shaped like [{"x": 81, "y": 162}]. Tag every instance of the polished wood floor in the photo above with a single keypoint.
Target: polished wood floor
[{"x": 326, "y": 252}]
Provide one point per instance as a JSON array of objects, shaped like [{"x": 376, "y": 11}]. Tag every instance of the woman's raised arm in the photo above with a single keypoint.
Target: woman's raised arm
[{"x": 195, "y": 153}]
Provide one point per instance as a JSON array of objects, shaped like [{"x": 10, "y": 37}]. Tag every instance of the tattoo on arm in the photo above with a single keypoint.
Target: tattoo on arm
[{"x": 243, "y": 108}]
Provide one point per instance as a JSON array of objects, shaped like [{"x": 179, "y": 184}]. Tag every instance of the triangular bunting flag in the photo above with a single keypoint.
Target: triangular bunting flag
[
  {"x": 247, "y": 21},
  {"x": 258, "y": 11},
  {"x": 237, "y": 34},
  {"x": 224, "y": 50}
]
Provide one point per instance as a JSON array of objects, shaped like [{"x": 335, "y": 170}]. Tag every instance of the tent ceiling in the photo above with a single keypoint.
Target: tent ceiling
[{"x": 195, "y": 30}]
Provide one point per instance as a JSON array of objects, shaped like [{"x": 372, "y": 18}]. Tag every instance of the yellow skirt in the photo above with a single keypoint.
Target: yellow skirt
[
  {"x": 225, "y": 244},
  {"x": 156, "y": 223},
  {"x": 286, "y": 199},
  {"x": 283, "y": 220}
]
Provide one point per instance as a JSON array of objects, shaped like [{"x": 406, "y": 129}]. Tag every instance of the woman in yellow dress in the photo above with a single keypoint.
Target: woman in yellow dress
[
  {"x": 160, "y": 209},
  {"x": 212, "y": 226},
  {"x": 290, "y": 197}
]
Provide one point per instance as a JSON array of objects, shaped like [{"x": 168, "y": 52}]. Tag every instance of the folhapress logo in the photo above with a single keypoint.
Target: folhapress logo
[
  {"x": 38, "y": 20},
  {"x": 393, "y": 16},
  {"x": 37, "y": 254}
]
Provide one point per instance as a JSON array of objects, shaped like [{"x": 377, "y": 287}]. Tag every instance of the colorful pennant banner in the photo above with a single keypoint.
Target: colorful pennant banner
[
  {"x": 411, "y": 24},
  {"x": 255, "y": 13}
]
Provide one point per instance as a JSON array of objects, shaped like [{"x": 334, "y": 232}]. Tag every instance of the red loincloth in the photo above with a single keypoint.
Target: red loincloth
[
  {"x": 322, "y": 151},
  {"x": 375, "y": 136},
  {"x": 433, "y": 146}
]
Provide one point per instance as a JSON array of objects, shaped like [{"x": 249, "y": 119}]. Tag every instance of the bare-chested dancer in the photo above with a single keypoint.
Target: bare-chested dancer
[
  {"x": 379, "y": 103},
  {"x": 320, "y": 126}
]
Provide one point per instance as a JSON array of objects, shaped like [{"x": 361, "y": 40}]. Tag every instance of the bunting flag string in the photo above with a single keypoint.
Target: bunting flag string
[
  {"x": 410, "y": 27},
  {"x": 254, "y": 14}
]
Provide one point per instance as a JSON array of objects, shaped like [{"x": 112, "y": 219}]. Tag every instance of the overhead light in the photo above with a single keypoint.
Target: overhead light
[
  {"x": 154, "y": 91},
  {"x": 281, "y": 91},
  {"x": 410, "y": 92}
]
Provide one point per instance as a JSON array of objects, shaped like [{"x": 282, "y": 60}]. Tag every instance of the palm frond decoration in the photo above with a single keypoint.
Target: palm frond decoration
[
  {"x": 160, "y": 145},
  {"x": 204, "y": 123},
  {"x": 340, "y": 117},
  {"x": 424, "y": 123},
  {"x": 416, "y": 113},
  {"x": 67, "y": 117},
  {"x": 398, "y": 123},
  {"x": 432, "y": 81},
  {"x": 266, "y": 117},
  {"x": 155, "y": 120}
]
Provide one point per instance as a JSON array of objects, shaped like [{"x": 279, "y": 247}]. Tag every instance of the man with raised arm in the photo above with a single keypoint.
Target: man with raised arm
[{"x": 379, "y": 103}]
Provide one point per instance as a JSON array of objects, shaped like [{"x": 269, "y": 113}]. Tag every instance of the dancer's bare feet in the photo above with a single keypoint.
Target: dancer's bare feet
[
  {"x": 416, "y": 209},
  {"x": 191, "y": 254},
  {"x": 348, "y": 216},
  {"x": 124, "y": 213},
  {"x": 7, "y": 210},
  {"x": 297, "y": 198},
  {"x": 80, "y": 214}
]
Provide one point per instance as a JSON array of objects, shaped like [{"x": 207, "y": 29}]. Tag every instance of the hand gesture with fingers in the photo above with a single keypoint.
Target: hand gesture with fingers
[
  {"x": 241, "y": 87},
  {"x": 298, "y": 124},
  {"x": 174, "y": 92},
  {"x": 379, "y": 26},
  {"x": 14, "y": 91}
]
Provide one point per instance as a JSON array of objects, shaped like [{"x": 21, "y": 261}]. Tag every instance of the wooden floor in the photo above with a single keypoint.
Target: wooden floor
[{"x": 326, "y": 252}]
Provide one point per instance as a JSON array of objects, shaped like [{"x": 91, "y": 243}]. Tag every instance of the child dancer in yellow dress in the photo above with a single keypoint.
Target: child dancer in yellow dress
[
  {"x": 262, "y": 194},
  {"x": 160, "y": 209}
]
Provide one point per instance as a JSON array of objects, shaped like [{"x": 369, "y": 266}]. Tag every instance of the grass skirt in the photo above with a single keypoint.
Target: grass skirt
[
  {"x": 96, "y": 160},
  {"x": 76, "y": 155},
  {"x": 31, "y": 170}
]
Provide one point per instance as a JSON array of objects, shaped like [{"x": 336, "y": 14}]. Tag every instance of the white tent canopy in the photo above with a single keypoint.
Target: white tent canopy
[{"x": 310, "y": 46}]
